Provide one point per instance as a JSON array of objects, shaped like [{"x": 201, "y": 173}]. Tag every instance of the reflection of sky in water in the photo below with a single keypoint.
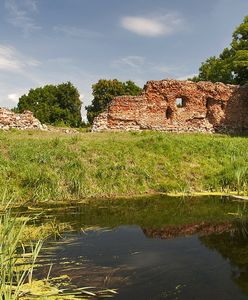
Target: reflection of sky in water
[{"x": 146, "y": 268}]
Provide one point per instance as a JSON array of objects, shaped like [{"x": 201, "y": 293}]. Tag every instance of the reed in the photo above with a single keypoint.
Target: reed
[{"x": 17, "y": 261}]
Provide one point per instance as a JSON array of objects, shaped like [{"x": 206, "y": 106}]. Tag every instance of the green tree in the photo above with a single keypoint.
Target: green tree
[
  {"x": 232, "y": 64},
  {"x": 54, "y": 104},
  {"x": 105, "y": 90},
  {"x": 217, "y": 69},
  {"x": 240, "y": 48}
]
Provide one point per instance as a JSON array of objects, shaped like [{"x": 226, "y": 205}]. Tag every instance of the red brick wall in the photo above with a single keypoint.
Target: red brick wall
[{"x": 207, "y": 107}]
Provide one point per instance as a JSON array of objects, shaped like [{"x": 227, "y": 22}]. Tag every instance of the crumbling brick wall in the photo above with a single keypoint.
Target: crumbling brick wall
[
  {"x": 9, "y": 119},
  {"x": 178, "y": 106}
]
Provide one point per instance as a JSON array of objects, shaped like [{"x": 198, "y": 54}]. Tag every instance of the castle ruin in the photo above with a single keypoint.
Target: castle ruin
[
  {"x": 26, "y": 120},
  {"x": 179, "y": 106}
]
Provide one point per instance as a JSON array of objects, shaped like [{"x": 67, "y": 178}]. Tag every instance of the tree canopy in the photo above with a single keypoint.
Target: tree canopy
[
  {"x": 232, "y": 64},
  {"x": 105, "y": 90},
  {"x": 53, "y": 104},
  {"x": 240, "y": 52}
]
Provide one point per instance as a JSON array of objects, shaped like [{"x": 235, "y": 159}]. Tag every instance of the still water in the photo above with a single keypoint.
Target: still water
[{"x": 154, "y": 248}]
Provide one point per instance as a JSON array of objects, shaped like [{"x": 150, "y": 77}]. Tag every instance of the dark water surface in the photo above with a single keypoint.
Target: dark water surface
[{"x": 155, "y": 248}]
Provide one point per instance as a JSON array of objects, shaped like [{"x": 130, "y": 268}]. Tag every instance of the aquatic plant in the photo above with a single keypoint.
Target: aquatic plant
[
  {"x": 241, "y": 221},
  {"x": 17, "y": 261},
  {"x": 20, "y": 245}
]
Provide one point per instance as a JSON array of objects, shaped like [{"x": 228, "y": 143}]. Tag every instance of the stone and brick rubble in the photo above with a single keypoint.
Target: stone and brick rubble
[{"x": 26, "y": 120}]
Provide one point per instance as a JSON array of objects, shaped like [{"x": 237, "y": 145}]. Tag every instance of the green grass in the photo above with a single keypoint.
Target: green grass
[{"x": 45, "y": 166}]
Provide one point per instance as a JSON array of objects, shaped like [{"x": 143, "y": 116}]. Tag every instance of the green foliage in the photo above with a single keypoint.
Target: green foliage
[
  {"x": 217, "y": 69},
  {"x": 232, "y": 64},
  {"x": 131, "y": 88},
  {"x": 54, "y": 104},
  {"x": 240, "y": 46},
  {"x": 105, "y": 90}
]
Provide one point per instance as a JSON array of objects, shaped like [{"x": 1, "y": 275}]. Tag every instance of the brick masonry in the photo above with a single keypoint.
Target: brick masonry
[
  {"x": 179, "y": 106},
  {"x": 26, "y": 120}
]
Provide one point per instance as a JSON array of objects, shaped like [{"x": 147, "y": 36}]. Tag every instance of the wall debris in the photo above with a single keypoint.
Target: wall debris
[{"x": 26, "y": 120}]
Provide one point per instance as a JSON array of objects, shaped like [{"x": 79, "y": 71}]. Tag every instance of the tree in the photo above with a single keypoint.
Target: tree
[
  {"x": 105, "y": 90},
  {"x": 217, "y": 69},
  {"x": 240, "y": 48},
  {"x": 131, "y": 88},
  {"x": 232, "y": 64},
  {"x": 54, "y": 104}
]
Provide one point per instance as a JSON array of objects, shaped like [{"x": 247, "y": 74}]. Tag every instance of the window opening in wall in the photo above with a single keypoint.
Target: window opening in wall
[
  {"x": 180, "y": 102},
  {"x": 168, "y": 113}
]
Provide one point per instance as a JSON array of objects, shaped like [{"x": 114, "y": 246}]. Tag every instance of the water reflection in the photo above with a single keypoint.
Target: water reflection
[
  {"x": 233, "y": 247},
  {"x": 154, "y": 268},
  {"x": 188, "y": 230},
  {"x": 157, "y": 248}
]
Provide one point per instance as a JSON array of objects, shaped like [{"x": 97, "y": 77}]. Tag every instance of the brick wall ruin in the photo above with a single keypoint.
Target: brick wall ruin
[
  {"x": 26, "y": 120},
  {"x": 179, "y": 106}
]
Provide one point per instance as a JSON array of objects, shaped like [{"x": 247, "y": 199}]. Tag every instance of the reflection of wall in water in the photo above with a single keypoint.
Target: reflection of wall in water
[{"x": 202, "y": 228}]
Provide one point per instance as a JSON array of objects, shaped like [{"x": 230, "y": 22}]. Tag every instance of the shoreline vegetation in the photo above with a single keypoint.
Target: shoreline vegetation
[
  {"x": 46, "y": 171},
  {"x": 38, "y": 166},
  {"x": 21, "y": 255}
]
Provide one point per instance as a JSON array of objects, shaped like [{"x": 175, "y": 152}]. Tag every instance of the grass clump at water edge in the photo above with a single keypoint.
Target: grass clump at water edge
[{"x": 17, "y": 261}]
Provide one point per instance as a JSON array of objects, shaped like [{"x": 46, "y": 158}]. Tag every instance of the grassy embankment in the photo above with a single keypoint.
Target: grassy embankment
[{"x": 41, "y": 166}]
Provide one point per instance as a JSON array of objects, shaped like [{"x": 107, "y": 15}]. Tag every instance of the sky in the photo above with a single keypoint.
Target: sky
[{"x": 54, "y": 41}]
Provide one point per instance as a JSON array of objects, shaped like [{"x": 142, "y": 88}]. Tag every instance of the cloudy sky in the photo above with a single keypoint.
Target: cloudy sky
[{"x": 54, "y": 41}]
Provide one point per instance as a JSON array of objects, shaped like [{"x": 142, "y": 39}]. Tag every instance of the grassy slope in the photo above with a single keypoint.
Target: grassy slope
[{"x": 52, "y": 166}]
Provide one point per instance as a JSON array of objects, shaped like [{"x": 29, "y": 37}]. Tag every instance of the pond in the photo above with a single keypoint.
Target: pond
[{"x": 155, "y": 247}]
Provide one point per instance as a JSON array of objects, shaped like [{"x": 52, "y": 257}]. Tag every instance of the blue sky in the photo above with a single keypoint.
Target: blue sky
[{"x": 54, "y": 41}]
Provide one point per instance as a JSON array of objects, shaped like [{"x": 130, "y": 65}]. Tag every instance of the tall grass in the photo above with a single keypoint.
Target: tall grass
[
  {"x": 16, "y": 260},
  {"x": 43, "y": 166}
]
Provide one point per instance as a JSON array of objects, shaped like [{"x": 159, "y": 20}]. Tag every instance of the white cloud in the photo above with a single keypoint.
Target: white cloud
[
  {"x": 131, "y": 61},
  {"x": 140, "y": 64},
  {"x": 76, "y": 32},
  {"x": 7, "y": 59},
  {"x": 13, "y": 61},
  {"x": 13, "y": 98},
  {"x": 20, "y": 15},
  {"x": 153, "y": 26}
]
